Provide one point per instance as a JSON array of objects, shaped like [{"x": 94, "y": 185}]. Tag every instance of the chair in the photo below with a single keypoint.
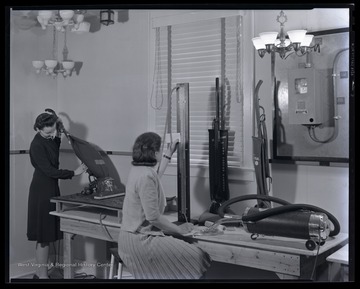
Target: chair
[{"x": 119, "y": 264}]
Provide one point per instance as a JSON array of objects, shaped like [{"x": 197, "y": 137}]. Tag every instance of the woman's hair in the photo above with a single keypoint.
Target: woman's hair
[
  {"x": 44, "y": 119},
  {"x": 144, "y": 149}
]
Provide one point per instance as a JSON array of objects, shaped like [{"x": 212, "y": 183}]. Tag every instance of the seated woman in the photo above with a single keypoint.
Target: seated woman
[{"x": 144, "y": 248}]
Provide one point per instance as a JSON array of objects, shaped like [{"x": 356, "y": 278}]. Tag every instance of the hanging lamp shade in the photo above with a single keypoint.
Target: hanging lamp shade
[
  {"x": 268, "y": 37},
  {"x": 258, "y": 43},
  {"x": 107, "y": 17},
  {"x": 296, "y": 36},
  {"x": 307, "y": 40}
]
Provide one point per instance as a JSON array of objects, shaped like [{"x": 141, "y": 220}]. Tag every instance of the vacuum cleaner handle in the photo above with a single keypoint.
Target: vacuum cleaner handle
[{"x": 59, "y": 125}]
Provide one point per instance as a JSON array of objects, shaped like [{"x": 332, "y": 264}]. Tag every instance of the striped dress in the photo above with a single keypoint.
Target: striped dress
[{"x": 146, "y": 251}]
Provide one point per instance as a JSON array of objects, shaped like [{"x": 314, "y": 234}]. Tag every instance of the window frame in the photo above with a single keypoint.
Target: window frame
[{"x": 170, "y": 17}]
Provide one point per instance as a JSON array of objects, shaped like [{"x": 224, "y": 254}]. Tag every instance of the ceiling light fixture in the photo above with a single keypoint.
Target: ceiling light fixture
[
  {"x": 298, "y": 41},
  {"x": 52, "y": 67},
  {"x": 61, "y": 19},
  {"x": 107, "y": 17}
]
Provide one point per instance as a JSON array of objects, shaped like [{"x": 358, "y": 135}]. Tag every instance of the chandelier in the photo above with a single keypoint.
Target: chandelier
[
  {"x": 63, "y": 18},
  {"x": 296, "y": 41},
  {"x": 52, "y": 67}
]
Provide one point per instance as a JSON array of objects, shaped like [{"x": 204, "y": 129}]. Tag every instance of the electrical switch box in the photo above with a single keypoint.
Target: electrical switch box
[{"x": 305, "y": 97}]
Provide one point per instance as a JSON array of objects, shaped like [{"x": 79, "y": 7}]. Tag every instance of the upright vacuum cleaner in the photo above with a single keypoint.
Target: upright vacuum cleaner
[
  {"x": 101, "y": 185},
  {"x": 218, "y": 151},
  {"x": 260, "y": 153}
]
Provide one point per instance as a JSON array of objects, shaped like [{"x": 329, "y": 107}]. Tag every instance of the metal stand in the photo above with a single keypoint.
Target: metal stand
[
  {"x": 218, "y": 149},
  {"x": 183, "y": 152}
]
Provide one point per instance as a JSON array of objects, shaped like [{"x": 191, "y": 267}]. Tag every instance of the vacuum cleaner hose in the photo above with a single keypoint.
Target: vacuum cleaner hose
[{"x": 287, "y": 207}]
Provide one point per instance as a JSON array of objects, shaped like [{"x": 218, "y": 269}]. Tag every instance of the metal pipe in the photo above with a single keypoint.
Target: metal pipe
[{"x": 336, "y": 116}]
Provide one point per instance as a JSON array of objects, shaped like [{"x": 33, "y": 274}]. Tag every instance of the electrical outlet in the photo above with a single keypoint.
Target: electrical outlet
[
  {"x": 344, "y": 74},
  {"x": 340, "y": 100},
  {"x": 301, "y": 65}
]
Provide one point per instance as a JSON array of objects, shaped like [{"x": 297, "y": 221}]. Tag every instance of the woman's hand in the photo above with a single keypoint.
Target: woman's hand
[
  {"x": 167, "y": 157},
  {"x": 186, "y": 228},
  {"x": 59, "y": 125},
  {"x": 172, "y": 148},
  {"x": 81, "y": 169}
]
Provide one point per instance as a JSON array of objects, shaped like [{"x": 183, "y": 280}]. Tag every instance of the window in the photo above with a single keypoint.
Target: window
[{"x": 197, "y": 53}]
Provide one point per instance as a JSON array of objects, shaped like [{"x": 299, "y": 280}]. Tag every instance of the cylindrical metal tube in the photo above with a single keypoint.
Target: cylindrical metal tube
[{"x": 294, "y": 224}]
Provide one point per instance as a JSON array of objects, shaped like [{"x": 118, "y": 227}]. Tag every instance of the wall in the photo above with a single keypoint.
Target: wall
[{"x": 115, "y": 64}]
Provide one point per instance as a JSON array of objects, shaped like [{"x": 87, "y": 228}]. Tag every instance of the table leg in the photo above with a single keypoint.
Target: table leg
[
  {"x": 330, "y": 272},
  {"x": 68, "y": 270}
]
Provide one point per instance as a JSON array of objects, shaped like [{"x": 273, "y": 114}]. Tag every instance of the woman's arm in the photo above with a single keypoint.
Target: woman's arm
[
  {"x": 167, "y": 157},
  {"x": 165, "y": 225},
  {"x": 170, "y": 228},
  {"x": 38, "y": 154},
  {"x": 149, "y": 198}
]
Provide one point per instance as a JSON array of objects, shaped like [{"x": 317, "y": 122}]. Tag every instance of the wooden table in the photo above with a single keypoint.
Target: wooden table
[{"x": 287, "y": 257}]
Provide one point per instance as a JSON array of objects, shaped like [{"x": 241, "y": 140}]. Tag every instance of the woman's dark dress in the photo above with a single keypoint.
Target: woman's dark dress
[{"x": 44, "y": 155}]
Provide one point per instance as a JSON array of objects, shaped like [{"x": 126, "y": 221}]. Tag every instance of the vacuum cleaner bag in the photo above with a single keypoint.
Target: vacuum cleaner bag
[{"x": 103, "y": 186}]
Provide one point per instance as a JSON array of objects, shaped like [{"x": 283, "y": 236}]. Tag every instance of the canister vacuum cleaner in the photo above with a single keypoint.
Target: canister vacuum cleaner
[{"x": 301, "y": 221}]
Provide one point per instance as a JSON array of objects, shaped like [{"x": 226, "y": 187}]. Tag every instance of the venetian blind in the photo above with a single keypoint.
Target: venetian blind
[{"x": 197, "y": 53}]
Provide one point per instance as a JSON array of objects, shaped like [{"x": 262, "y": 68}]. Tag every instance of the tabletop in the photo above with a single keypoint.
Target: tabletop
[{"x": 340, "y": 256}]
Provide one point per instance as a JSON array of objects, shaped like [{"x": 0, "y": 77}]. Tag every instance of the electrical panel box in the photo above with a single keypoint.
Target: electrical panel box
[{"x": 304, "y": 85}]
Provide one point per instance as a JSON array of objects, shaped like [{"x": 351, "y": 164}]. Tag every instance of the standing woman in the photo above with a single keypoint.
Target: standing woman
[
  {"x": 44, "y": 156},
  {"x": 142, "y": 245}
]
